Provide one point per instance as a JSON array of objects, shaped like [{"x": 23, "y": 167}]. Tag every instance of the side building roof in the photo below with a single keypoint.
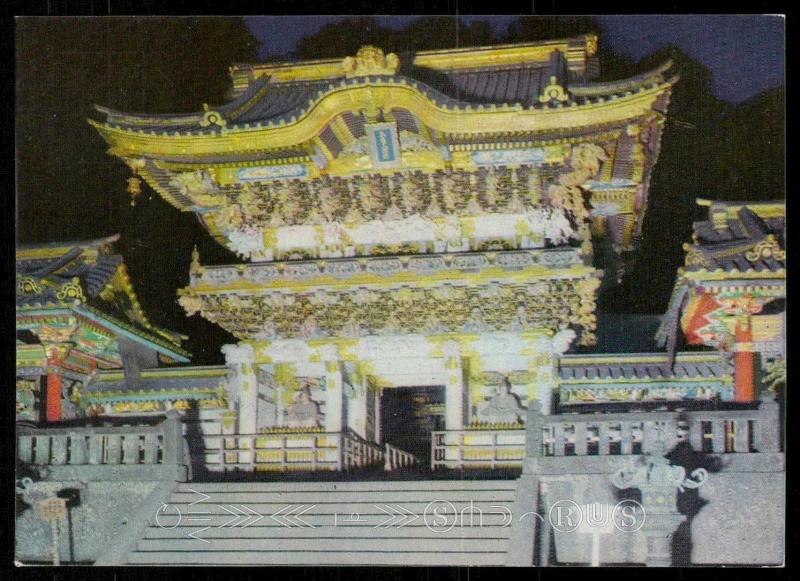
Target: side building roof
[{"x": 90, "y": 280}]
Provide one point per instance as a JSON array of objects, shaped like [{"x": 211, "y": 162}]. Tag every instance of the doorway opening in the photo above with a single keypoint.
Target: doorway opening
[{"x": 409, "y": 415}]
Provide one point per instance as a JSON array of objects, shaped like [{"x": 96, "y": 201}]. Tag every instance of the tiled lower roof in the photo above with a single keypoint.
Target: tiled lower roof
[
  {"x": 645, "y": 366},
  {"x": 732, "y": 247}
]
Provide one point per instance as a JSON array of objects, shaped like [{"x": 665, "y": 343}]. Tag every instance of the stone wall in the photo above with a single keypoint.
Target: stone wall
[
  {"x": 103, "y": 511},
  {"x": 743, "y": 522},
  {"x": 736, "y": 517}
]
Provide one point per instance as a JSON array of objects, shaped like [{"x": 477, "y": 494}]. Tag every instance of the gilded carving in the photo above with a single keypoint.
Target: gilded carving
[
  {"x": 765, "y": 249},
  {"x": 370, "y": 60},
  {"x": 54, "y": 334},
  {"x": 553, "y": 92},
  {"x": 694, "y": 258},
  {"x": 385, "y": 311},
  {"x": 410, "y": 141},
  {"x": 354, "y": 201},
  {"x": 194, "y": 266},
  {"x": 211, "y": 117},
  {"x": 28, "y": 285},
  {"x": 569, "y": 194},
  {"x": 71, "y": 290},
  {"x": 199, "y": 188}
]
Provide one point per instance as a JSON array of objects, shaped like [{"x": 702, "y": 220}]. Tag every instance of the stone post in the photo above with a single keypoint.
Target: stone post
[
  {"x": 174, "y": 448},
  {"x": 454, "y": 390},
  {"x": 769, "y": 425},
  {"x": 524, "y": 531},
  {"x": 661, "y": 521},
  {"x": 533, "y": 436},
  {"x": 659, "y": 482}
]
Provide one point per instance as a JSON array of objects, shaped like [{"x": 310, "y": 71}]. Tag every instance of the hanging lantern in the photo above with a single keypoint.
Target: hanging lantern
[{"x": 134, "y": 188}]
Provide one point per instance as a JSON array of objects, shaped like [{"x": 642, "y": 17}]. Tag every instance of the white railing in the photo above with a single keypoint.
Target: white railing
[
  {"x": 145, "y": 444},
  {"x": 478, "y": 449},
  {"x": 290, "y": 451},
  {"x": 279, "y": 452},
  {"x": 360, "y": 453},
  {"x": 397, "y": 459},
  {"x": 711, "y": 432}
]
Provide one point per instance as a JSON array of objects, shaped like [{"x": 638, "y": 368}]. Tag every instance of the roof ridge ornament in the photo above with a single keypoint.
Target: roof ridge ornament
[
  {"x": 767, "y": 248},
  {"x": 553, "y": 92},
  {"x": 194, "y": 265},
  {"x": 71, "y": 290},
  {"x": 211, "y": 117},
  {"x": 370, "y": 60},
  {"x": 591, "y": 44}
]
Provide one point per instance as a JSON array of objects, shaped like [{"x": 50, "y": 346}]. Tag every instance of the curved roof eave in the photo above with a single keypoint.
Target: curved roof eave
[{"x": 436, "y": 110}]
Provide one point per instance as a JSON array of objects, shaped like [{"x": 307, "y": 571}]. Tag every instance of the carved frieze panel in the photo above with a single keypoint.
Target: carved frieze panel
[{"x": 455, "y": 308}]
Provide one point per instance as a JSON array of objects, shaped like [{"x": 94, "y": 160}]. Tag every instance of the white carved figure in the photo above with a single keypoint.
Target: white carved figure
[
  {"x": 237, "y": 354},
  {"x": 475, "y": 322},
  {"x": 562, "y": 340},
  {"x": 520, "y": 321},
  {"x": 246, "y": 242},
  {"x": 503, "y": 408},
  {"x": 304, "y": 413}
]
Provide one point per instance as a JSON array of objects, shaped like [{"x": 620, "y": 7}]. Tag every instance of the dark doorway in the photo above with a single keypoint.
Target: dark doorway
[{"x": 409, "y": 415}]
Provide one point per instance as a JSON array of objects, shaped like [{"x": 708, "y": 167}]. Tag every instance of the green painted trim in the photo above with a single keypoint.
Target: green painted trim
[{"x": 132, "y": 333}]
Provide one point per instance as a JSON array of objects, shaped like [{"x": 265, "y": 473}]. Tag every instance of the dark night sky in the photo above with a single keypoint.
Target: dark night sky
[{"x": 745, "y": 53}]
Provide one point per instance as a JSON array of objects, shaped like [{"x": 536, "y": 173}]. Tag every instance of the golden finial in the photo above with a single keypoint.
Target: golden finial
[
  {"x": 370, "y": 60},
  {"x": 194, "y": 267},
  {"x": 134, "y": 189},
  {"x": 591, "y": 44}
]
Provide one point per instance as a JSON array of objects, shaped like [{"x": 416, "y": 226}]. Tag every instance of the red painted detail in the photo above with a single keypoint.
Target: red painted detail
[
  {"x": 53, "y": 398},
  {"x": 743, "y": 361}
]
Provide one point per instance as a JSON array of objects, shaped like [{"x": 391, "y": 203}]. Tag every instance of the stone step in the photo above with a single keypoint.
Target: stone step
[
  {"x": 375, "y": 519},
  {"x": 338, "y": 496},
  {"x": 342, "y": 530},
  {"x": 361, "y": 486},
  {"x": 344, "y": 545},
  {"x": 429, "y": 522},
  {"x": 318, "y": 558},
  {"x": 419, "y": 506}
]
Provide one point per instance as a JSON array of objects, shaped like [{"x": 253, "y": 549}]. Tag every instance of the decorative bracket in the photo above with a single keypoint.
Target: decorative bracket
[{"x": 553, "y": 92}]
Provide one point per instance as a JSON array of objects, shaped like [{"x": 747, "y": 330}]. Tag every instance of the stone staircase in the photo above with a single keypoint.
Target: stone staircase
[{"x": 411, "y": 522}]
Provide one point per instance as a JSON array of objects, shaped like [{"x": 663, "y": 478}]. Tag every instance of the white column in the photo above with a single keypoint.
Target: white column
[
  {"x": 357, "y": 404},
  {"x": 377, "y": 419},
  {"x": 334, "y": 388},
  {"x": 242, "y": 384},
  {"x": 280, "y": 415},
  {"x": 454, "y": 390},
  {"x": 267, "y": 414},
  {"x": 545, "y": 380},
  {"x": 545, "y": 366}
]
